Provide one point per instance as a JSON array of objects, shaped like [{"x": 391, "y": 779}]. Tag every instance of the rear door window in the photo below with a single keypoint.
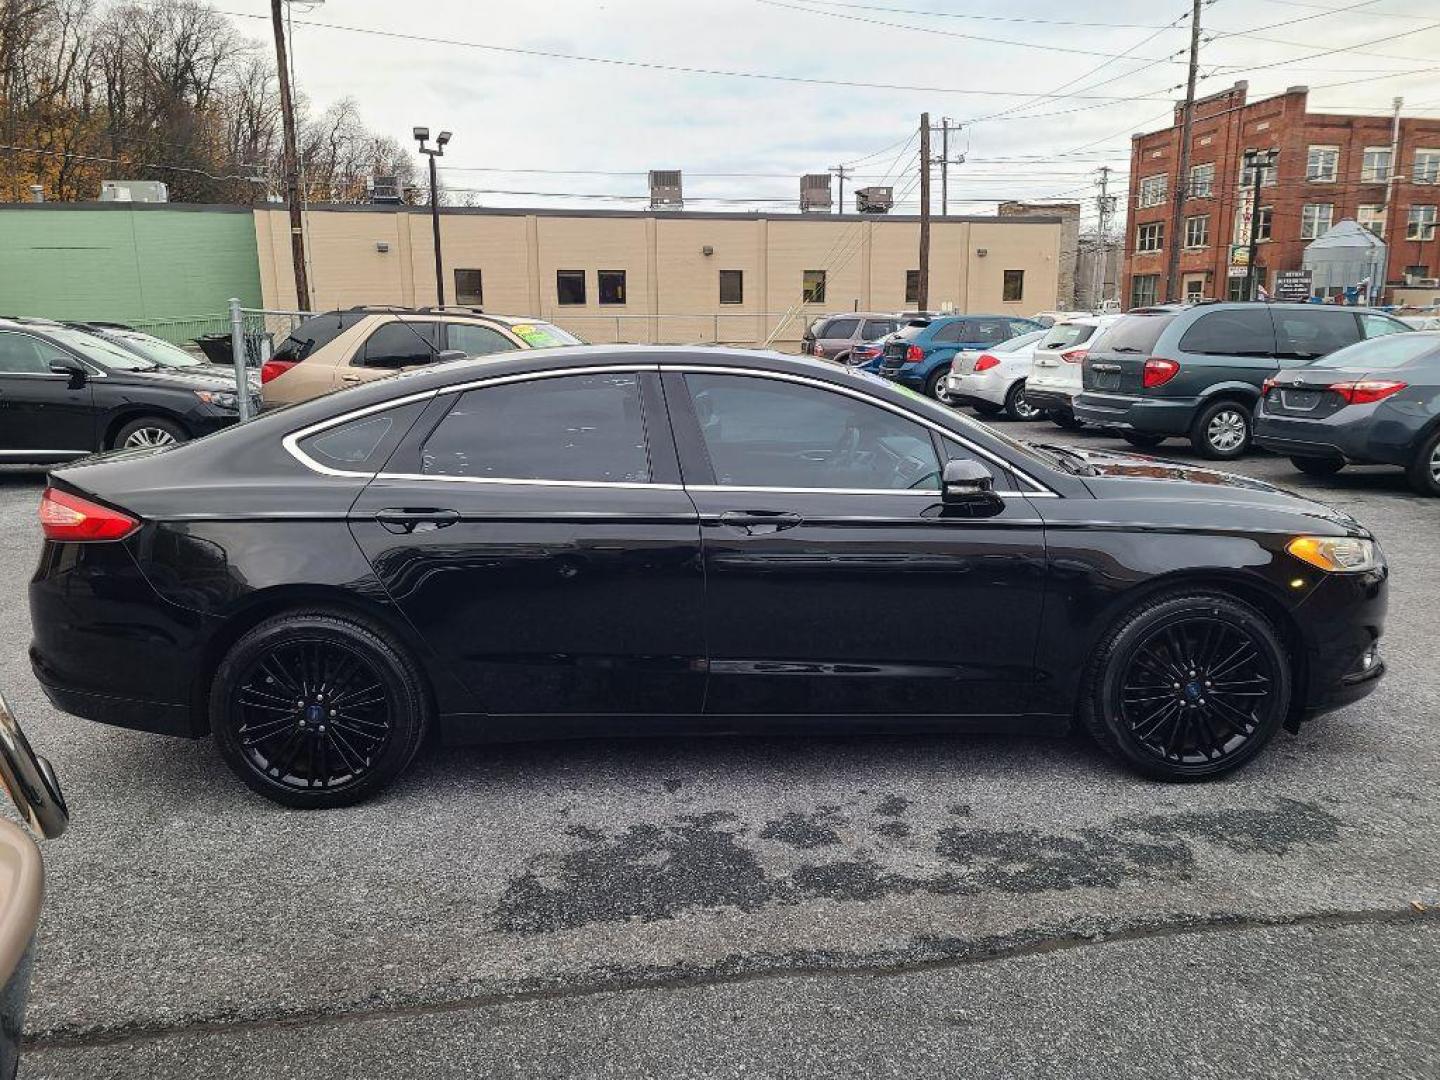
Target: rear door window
[
  {"x": 400, "y": 344},
  {"x": 993, "y": 331},
  {"x": 1232, "y": 332},
  {"x": 1304, "y": 333}
]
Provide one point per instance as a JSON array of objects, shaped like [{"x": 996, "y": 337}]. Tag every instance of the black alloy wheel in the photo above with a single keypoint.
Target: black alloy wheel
[
  {"x": 1188, "y": 687},
  {"x": 315, "y": 710}
]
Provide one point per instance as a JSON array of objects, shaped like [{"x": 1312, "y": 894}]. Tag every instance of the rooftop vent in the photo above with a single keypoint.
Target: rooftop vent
[
  {"x": 386, "y": 190},
  {"x": 874, "y": 200},
  {"x": 665, "y": 190},
  {"x": 815, "y": 193},
  {"x": 149, "y": 191}
]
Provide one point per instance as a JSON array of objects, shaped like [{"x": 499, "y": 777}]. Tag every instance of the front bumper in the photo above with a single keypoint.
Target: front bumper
[
  {"x": 1124, "y": 412},
  {"x": 1342, "y": 620}
]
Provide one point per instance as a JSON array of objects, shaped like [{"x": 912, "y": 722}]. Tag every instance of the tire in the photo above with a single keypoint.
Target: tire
[
  {"x": 935, "y": 385},
  {"x": 1318, "y": 466},
  {"x": 149, "y": 431},
  {"x": 1222, "y": 430},
  {"x": 1016, "y": 407},
  {"x": 1424, "y": 470},
  {"x": 305, "y": 652},
  {"x": 1063, "y": 419},
  {"x": 1167, "y": 724},
  {"x": 1142, "y": 440},
  {"x": 986, "y": 409}
]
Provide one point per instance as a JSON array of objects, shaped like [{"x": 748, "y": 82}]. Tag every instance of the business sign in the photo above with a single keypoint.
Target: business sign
[
  {"x": 1240, "y": 255},
  {"x": 1292, "y": 285},
  {"x": 1238, "y": 271}
]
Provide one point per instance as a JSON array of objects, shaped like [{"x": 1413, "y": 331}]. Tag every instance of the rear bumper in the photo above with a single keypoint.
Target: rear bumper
[
  {"x": 138, "y": 715},
  {"x": 1155, "y": 416},
  {"x": 1363, "y": 435},
  {"x": 1048, "y": 400},
  {"x": 984, "y": 387},
  {"x": 912, "y": 375}
]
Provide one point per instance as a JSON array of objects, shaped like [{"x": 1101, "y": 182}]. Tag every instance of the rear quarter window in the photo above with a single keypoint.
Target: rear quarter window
[
  {"x": 363, "y": 444},
  {"x": 313, "y": 334},
  {"x": 1232, "y": 332}
]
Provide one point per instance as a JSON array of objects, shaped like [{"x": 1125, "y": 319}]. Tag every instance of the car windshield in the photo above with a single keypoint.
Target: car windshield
[
  {"x": 1065, "y": 334},
  {"x": 1378, "y": 354},
  {"x": 155, "y": 350},
  {"x": 1137, "y": 333},
  {"x": 105, "y": 353}
]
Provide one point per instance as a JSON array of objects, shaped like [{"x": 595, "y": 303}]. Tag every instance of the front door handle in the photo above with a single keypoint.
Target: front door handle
[
  {"x": 410, "y": 520},
  {"x": 759, "y": 522}
]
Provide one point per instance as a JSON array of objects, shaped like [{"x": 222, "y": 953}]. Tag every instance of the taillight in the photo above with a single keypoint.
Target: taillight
[
  {"x": 1267, "y": 386},
  {"x": 1158, "y": 371},
  {"x": 914, "y": 354},
  {"x": 68, "y": 517},
  {"x": 273, "y": 369},
  {"x": 1073, "y": 356},
  {"x": 1367, "y": 391},
  {"x": 986, "y": 362}
]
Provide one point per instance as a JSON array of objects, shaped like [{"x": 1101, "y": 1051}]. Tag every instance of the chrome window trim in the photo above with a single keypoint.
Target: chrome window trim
[
  {"x": 25, "y": 454},
  {"x": 291, "y": 442},
  {"x": 512, "y": 481}
]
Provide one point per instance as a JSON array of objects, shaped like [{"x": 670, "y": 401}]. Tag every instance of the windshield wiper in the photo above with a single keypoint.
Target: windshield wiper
[
  {"x": 1125, "y": 348},
  {"x": 1072, "y": 461}
]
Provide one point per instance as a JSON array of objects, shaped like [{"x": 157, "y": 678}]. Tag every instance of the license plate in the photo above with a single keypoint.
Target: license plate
[
  {"x": 1107, "y": 380},
  {"x": 1300, "y": 400}
]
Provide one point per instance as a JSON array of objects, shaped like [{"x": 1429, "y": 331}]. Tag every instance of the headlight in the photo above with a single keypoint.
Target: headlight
[
  {"x": 1335, "y": 554},
  {"x": 221, "y": 399}
]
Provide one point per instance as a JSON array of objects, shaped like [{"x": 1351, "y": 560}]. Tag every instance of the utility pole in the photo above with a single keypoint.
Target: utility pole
[
  {"x": 1182, "y": 177},
  {"x": 922, "y": 298},
  {"x": 944, "y": 166},
  {"x": 1257, "y": 161},
  {"x": 1385, "y": 231},
  {"x": 839, "y": 170},
  {"x": 292, "y": 161},
  {"x": 1103, "y": 205}
]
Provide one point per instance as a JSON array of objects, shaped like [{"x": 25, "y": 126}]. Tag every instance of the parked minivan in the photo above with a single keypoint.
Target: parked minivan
[
  {"x": 832, "y": 337},
  {"x": 1196, "y": 371}
]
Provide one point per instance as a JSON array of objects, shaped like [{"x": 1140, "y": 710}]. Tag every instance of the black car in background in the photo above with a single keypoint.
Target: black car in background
[
  {"x": 1372, "y": 403},
  {"x": 1196, "y": 371},
  {"x": 66, "y": 393},
  {"x": 625, "y": 540},
  {"x": 159, "y": 351}
]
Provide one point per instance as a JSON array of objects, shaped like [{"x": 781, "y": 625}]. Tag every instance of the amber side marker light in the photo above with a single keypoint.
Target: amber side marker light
[{"x": 1335, "y": 554}]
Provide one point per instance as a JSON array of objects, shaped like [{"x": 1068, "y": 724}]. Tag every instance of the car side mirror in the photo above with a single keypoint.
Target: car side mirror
[
  {"x": 77, "y": 374},
  {"x": 967, "y": 483}
]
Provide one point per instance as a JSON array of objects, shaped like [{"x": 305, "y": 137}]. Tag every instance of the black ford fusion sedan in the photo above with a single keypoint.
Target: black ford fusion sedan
[{"x": 624, "y": 540}]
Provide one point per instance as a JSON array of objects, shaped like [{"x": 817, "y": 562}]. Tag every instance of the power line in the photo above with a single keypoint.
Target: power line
[{"x": 988, "y": 18}]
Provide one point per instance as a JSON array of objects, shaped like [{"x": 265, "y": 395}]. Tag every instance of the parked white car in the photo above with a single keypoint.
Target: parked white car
[
  {"x": 1055, "y": 371},
  {"x": 989, "y": 380}
]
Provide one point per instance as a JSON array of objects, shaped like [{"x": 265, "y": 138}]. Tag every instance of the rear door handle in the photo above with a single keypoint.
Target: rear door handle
[
  {"x": 410, "y": 520},
  {"x": 352, "y": 378},
  {"x": 758, "y": 522}
]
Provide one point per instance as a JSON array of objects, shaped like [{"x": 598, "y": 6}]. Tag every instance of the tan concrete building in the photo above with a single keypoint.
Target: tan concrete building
[{"x": 663, "y": 277}]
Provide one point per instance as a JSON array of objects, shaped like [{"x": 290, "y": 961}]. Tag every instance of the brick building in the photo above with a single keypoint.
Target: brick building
[{"x": 1329, "y": 167}]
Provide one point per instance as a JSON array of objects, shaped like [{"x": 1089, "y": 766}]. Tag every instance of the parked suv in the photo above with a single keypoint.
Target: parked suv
[
  {"x": 1054, "y": 380},
  {"x": 832, "y": 337},
  {"x": 919, "y": 354},
  {"x": 341, "y": 348},
  {"x": 66, "y": 393},
  {"x": 1196, "y": 371}
]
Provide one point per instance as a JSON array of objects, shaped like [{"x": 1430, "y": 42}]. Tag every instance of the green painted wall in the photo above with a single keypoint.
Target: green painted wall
[{"x": 124, "y": 263}]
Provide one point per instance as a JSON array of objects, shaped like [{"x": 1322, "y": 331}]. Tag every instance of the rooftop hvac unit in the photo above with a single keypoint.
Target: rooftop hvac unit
[
  {"x": 874, "y": 200},
  {"x": 150, "y": 191},
  {"x": 386, "y": 190},
  {"x": 815, "y": 193},
  {"x": 665, "y": 190}
]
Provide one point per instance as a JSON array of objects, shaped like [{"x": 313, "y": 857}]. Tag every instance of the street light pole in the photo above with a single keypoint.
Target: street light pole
[{"x": 422, "y": 135}]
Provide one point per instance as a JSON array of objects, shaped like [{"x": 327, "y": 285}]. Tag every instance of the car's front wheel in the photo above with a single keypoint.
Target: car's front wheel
[
  {"x": 1222, "y": 431},
  {"x": 1017, "y": 407},
  {"x": 148, "y": 431},
  {"x": 1188, "y": 686},
  {"x": 315, "y": 710}
]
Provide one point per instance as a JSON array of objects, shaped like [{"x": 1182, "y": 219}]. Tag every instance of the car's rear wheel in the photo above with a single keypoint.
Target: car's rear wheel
[
  {"x": 148, "y": 431},
  {"x": 935, "y": 385},
  {"x": 1222, "y": 430},
  {"x": 1141, "y": 440},
  {"x": 1318, "y": 466},
  {"x": 1424, "y": 470},
  {"x": 1188, "y": 686},
  {"x": 317, "y": 710},
  {"x": 1064, "y": 418},
  {"x": 1017, "y": 407}
]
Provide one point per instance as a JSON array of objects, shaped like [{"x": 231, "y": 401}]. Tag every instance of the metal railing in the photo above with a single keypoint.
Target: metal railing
[
  {"x": 254, "y": 332},
  {"x": 751, "y": 328}
]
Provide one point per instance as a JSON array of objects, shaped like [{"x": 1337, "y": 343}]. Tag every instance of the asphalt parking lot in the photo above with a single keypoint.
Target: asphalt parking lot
[{"x": 882, "y": 907}]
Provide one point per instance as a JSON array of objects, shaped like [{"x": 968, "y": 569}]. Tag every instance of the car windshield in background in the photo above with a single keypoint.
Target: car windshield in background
[
  {"x": 544, "y": 335},
  {"x": 154, "y": 349},
  {"x": 101, "y": 351},
  {"x": 1064, "y": 335},
  {"x": 1137, "y": 333},
  {"x": 1378, "y": 354}
]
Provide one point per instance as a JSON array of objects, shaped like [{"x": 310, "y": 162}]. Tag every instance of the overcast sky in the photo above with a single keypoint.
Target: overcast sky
[{"x": 514, "y": 112}]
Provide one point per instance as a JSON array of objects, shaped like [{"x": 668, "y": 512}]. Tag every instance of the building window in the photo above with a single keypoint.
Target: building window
[
  {"x": 469, "y": 288},
  {"x": 732, "y": 286},
  {"x": 1202, "y": 180},
  {"x": 1372, "y": 216},
  {"x": 813, "y": 288},
  {"x": 1144, "y": 288},
  {"x": 610, "y": 284},
  {"x": 1268, "y": 173},
  {"x": 1150, "y": 237},
  {"x": 912, "y": 286},
  {"x": 1322, "y": 163},
  {"x": 1417, "y": 272},
  {"x": 1427, "y": 167},
  {"x": 1375, "y": 167},
  {"x": 1152, "y": 191},
  {"x": 1315, "y": 219},
  {"x": 1421, "y": 223},
  {"x": 1236, "y": 292},
  {"x": 1014, "y": 286},
  {"x": 1197, "y": 231},
  {"x": 570, "y": 287},
  {"x": 1194, "y": 290}
]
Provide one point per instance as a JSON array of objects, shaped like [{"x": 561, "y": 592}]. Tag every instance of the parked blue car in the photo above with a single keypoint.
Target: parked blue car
[{"x": 919, "y": 354}]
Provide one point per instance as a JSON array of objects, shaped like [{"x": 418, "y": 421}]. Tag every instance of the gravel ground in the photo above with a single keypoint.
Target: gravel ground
[{"x": 707, "y": 907}]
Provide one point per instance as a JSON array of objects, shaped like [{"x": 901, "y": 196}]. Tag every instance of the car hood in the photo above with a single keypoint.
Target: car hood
[
  {"x": 208, "y": 377},
  {"x": 1122, "y": 475}
]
